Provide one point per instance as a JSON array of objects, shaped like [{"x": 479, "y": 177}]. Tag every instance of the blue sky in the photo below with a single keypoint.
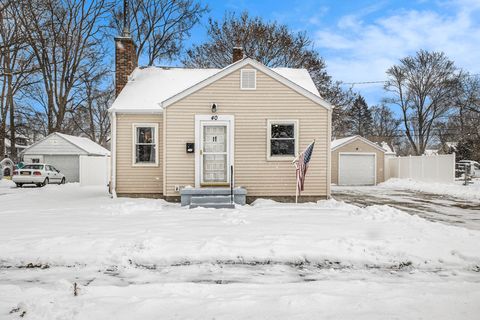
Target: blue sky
[{"x": 360, "y": 39}]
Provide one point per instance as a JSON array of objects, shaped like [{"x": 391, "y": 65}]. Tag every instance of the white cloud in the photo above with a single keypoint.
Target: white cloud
[{"x": 356, "y": 50}]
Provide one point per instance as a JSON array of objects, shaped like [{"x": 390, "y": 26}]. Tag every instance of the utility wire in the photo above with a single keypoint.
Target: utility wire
[{"x": 385, "y": 81}]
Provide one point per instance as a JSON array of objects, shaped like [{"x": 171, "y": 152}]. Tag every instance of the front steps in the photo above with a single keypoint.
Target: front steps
[{"x": 218, "y": 198}]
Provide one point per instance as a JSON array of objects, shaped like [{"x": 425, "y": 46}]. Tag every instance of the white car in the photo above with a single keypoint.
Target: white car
[{"x": 38, "y": 174}]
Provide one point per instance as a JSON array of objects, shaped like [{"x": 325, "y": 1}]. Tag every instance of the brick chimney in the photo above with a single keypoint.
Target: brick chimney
[
  {"x": 237, "y": 54},
  {"x": 125, "y": 54},
  {"x": 125, "y": 61}
]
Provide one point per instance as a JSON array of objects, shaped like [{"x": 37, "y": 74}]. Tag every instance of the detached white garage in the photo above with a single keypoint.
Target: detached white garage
[
  {"x": 63, "y": 151},
  {"x": 357, "y": 161}
]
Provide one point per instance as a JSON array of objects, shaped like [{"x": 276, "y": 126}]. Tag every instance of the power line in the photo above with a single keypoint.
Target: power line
[
  {"x": 364, "y": 82},
  {"x": 385, "y": 81}
]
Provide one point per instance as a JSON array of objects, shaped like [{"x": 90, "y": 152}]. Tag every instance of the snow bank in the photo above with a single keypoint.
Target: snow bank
[
  {"x": 454, "y": 189},
  {"x": 145, "y": 259},
  {"x": 72, "y": 225},
  {"x": 5, "y": 184}
]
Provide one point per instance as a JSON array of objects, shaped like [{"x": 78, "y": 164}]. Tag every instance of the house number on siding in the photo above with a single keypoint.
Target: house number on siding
[{"x": 214, "y": 117}]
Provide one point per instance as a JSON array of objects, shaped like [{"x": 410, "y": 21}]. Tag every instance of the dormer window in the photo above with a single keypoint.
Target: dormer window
[{"x": 248, "y": 79}]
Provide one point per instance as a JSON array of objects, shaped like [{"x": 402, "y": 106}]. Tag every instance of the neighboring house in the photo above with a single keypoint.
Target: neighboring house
[
  {"x": 357, "y": 161},
  {"x": 20, "y": 145},
  {"x": 174, "y": 128},
  {"x": 431, "y": 152},
  {"x": 63, "y": 152},
  {"x": 448, "y": 148}
]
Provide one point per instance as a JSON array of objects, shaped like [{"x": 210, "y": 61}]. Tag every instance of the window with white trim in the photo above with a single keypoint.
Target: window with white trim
[
  {"x": 145, "y": 144},
  {"x": 282, "y": 138},
  {"x": 248, "y": 79}
]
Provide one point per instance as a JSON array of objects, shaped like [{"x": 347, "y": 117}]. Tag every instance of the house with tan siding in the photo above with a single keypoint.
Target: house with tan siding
[{"x": 179, "y": 133}]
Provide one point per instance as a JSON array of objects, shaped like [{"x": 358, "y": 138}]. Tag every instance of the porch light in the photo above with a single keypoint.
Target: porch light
[{"x": 214, "y": 107}]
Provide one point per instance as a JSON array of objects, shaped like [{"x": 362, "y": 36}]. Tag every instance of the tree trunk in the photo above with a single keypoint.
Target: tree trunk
[
  {"x": 2, "y": 140},
  {"x": 10, "y": 105}
]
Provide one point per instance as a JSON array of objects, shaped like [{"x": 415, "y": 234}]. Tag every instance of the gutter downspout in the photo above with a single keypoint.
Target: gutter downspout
[{"x": 113, "y": 181}]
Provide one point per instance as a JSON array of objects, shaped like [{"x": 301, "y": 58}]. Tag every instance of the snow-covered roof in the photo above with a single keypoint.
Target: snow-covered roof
[
  {"x": 8, "y": 144},
  {"x": 430, "y": 152},
  {"x": 343, "y": 141},
  {"x": 85, "y": 144},
  {"x": 148, "y": 87},
  {"x": 387, "y": 148},
  {"x": 337, "y": 142}
]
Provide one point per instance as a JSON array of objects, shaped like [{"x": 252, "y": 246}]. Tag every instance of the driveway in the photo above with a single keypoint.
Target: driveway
[{"x": 434, "y": 207}]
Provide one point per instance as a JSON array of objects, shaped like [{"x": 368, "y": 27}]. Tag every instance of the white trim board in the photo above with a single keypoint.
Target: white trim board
[
  {"x": 357, "y": 153},
  {"x": 134, "y": 143},
  {"x": 296, "y": 137},
  {"x": 230, "y": 119},
  {"x": 238, "y": 65}
]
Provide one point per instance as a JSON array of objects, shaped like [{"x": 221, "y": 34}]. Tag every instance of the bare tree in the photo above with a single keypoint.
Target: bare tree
[
  {"x": 16, "y": 67},
  {"x": 159, "y": 27},
  {"x": 469, "y": 97},
  {"x": 91, "y": 118},
  {"x": 385, "y": 125},
  {"x": 273, "y": 44},
  {"x": 425, "y": 87},
  {"x": 64, "y": 36}
]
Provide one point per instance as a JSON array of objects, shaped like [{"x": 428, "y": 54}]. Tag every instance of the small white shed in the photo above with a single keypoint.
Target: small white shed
[{"x": 63, "y": 152}]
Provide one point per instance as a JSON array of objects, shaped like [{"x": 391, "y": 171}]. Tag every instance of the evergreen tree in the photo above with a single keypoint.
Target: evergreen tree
[{"x": 360, "y": 118}]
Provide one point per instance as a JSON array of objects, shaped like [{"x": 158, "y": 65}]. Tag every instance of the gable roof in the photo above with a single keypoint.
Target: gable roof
[
  {"x": 335, "y": 144},
  {"x": 84, "y": 144},
  {"x": 152, "y": 89}
]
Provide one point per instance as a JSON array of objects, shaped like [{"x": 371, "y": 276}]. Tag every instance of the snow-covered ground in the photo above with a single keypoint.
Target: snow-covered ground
[
  {"x": 457, "y": 189},
  {"x": 149, "y": 259}
]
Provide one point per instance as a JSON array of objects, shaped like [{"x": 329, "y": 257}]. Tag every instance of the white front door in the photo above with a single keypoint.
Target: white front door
[
  {"x": 214, "y": 148},
  {"x": 214, "y": 153}
]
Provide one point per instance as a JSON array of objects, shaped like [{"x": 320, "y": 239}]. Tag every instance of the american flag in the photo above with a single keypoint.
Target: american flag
[{"x": 302, "y": 166}]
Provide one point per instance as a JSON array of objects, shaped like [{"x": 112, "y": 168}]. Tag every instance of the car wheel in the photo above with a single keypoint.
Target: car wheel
[
  {"x": 19, "y": 185},
  {"x": 45, "y": 182},
  {"x": 63, "y": 181}
]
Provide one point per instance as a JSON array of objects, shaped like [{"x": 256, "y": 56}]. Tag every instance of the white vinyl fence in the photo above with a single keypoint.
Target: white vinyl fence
[
  {"x": 94, "y": 171},
  {"x": 438, "y": 168}
]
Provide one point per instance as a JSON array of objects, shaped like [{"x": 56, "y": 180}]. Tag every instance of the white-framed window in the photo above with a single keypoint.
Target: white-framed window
[
  {"x": 248, "y": 79},
  {"x": 282, "y": 139},
  {"x": 145, "y": 144}
]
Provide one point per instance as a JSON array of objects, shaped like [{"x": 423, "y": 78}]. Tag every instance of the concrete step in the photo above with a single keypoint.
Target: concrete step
[
  {"x": 209, "y": 199},
  {"x": 213, "y": 205},
  {"x": 212, "y": 195}
]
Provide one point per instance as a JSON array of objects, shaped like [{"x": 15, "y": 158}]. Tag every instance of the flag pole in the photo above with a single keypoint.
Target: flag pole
[
  {"x": 295, "y": 162},
  {"x": 296, "y": 194}
]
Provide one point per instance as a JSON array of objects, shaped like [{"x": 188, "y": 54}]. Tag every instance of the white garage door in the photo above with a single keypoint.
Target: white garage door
[
  {"x": 356, "y": 169},
  {"x": 68, "y": 165}
]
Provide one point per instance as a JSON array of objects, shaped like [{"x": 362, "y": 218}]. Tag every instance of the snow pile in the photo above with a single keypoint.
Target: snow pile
[
  {"x": 145, "y": 259},
  {"x": 71, "y": 225},
  {"x": 470, "y": 192},
  {"x": 5, "y": 184}
]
